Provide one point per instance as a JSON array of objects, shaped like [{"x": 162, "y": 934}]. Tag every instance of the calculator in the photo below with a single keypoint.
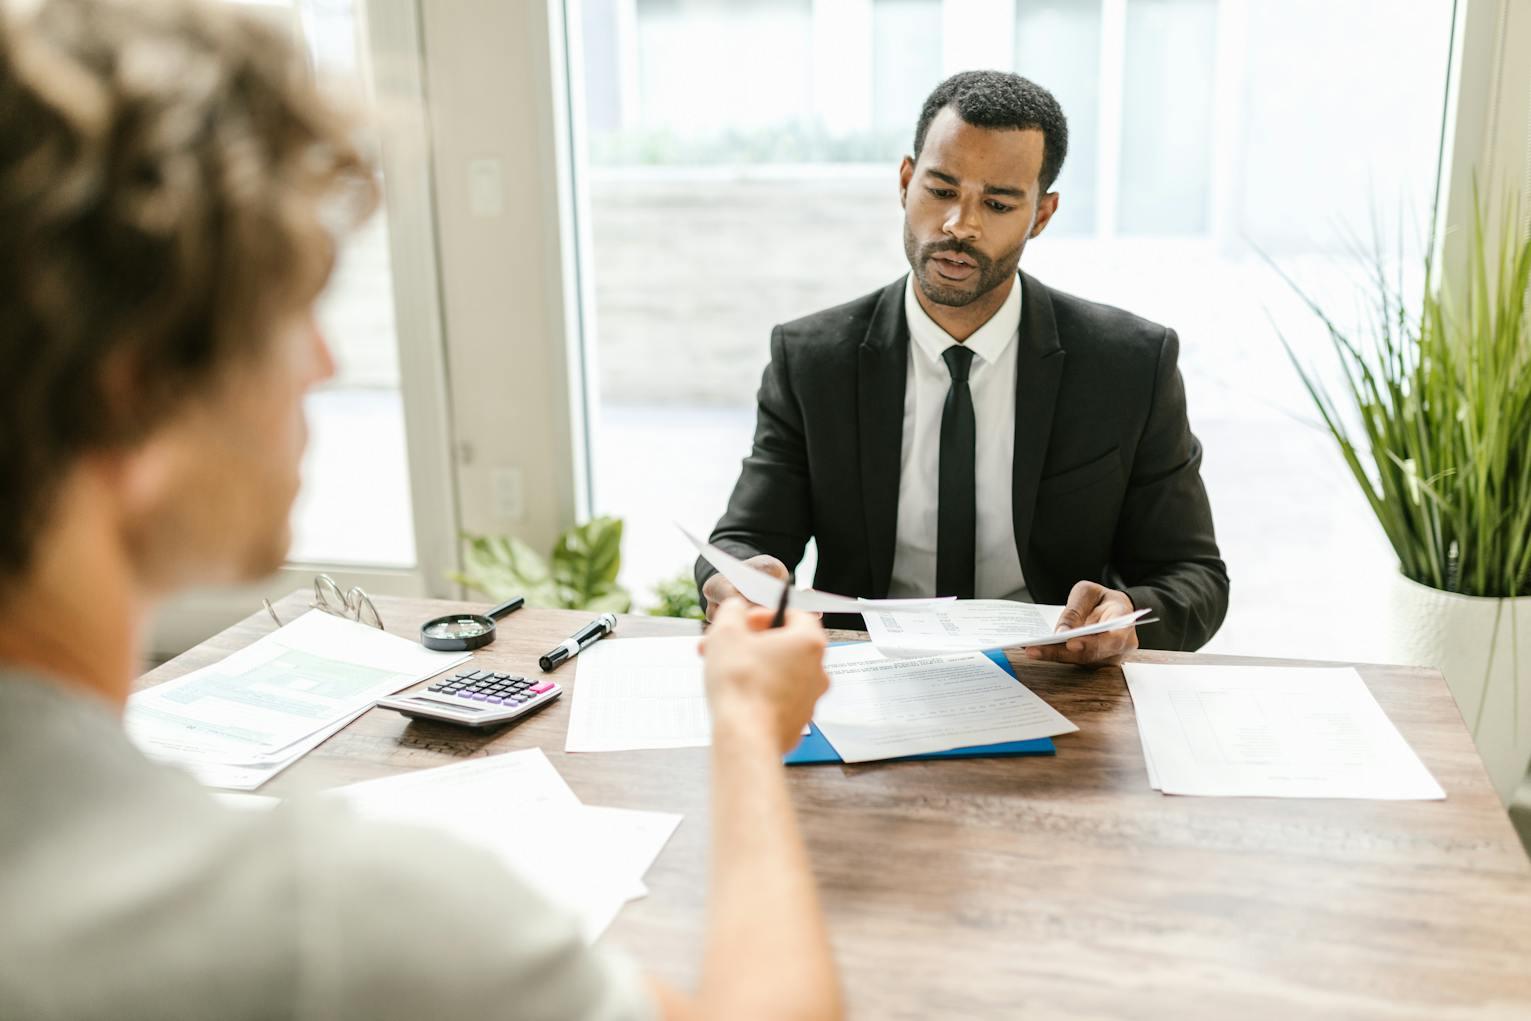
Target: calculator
[{"x": 476, "y": 698}]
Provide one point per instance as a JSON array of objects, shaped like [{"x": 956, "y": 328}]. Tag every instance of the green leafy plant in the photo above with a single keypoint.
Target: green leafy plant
[
  {"x": 1443, "y": 402},
  {"x": 677, "y": 597},
  {"x": 581, "y": 574}
]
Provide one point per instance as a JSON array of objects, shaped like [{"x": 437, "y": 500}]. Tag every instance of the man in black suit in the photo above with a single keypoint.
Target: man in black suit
[{"x": 969, "y": 431}]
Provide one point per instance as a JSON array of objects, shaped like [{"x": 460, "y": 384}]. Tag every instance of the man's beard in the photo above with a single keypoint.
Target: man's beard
[{"x": 991, "y": 272}]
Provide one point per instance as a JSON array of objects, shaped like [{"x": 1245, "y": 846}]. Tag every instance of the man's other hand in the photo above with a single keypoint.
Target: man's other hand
[
  {"x": 719, "y": 590},
  {"x": 1090, "y": 603},
  {"x": 761, "y": 679}
]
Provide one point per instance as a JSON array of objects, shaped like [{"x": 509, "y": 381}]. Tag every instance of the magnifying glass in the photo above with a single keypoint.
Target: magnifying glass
[{"x": 459, "y": 632}]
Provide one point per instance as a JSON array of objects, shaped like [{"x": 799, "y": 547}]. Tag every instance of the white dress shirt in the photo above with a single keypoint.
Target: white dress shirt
[{"x": 992, "y": 382}]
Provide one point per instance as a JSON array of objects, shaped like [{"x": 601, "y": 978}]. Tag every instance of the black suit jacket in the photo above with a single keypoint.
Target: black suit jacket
[{"x": 1106, "y": 477}]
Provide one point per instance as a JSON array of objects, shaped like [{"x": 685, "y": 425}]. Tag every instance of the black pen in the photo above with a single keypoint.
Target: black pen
[
  {"x": 781, "y": 607},
  {"x": 586, "y": 636}
]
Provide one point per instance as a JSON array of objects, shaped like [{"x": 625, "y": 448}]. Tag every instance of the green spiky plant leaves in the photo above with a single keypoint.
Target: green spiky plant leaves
[{"x": 1434, "y": 418}]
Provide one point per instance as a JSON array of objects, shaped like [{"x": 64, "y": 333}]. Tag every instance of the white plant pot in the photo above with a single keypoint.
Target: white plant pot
[{"x": 1482, "y": 646}]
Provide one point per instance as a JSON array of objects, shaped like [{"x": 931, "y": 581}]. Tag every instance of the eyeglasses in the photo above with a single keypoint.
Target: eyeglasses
[{"x": 328, "y": 596}]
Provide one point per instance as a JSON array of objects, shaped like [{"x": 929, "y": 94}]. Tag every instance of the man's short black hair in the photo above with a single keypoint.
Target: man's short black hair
[{"x": 999, "y": 99}]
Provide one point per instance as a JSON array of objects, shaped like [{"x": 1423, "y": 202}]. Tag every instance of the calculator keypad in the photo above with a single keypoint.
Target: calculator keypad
[{"x": 493, "y": 688}]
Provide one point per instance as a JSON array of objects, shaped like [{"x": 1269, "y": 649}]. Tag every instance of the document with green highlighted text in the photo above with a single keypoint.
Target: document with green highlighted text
[{"x": 240, "y": 721}]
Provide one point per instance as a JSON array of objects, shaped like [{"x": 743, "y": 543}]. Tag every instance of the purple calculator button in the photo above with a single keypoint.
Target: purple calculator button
[
  {"x": 497, "y": 700},
  {"x": 478, "y": 696}
]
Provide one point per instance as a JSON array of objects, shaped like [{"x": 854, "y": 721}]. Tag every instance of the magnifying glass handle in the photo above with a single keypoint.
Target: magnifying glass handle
[{"x": 509, "y": 606}]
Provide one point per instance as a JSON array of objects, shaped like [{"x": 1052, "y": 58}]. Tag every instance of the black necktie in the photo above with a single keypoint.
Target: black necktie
[{"x": 956, "y": 513}]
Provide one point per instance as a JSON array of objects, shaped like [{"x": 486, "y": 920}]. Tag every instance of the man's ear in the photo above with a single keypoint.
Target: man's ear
[
  {"x": 1045, "y": 210},
  {"x": 140, "y": 474},
  {"x": 905, "y": 175}
]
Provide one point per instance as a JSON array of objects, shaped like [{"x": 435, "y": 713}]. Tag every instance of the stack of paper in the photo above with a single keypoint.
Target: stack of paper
[
  {"x": 239, "y": 722},
  {"x": 1288, "y": 732},
  {"x": 649, "y": 693},
  {"x": 882, "y": 708},
  {"x": 590, "y": 860}
]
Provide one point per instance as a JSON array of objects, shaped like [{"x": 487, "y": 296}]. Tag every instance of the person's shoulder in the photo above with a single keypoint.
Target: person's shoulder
[
  {"x": 844, "y": 323},
  {"x": 1093, "y": 324}
]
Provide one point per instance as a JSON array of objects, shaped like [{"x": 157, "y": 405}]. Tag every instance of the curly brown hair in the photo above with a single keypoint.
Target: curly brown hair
[{"x": 171, "y": 184}]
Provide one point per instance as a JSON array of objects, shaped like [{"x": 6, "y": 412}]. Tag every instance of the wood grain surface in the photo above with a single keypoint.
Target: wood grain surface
[{"x": 1052, "y": 886}]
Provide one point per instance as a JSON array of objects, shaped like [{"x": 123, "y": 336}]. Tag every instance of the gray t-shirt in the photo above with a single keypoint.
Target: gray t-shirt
[{"x": 128, "y": 891}]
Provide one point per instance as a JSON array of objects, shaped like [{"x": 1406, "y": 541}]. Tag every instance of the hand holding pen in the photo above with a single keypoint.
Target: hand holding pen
[
  {"x": 764, "y": 672},
  {"x": 781, "y": 607}
]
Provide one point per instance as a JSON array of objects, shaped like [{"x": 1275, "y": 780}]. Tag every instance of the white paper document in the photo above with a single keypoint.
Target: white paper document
[
  {"x": 1293, "y": 732},
  {"x": 591, "y": 860},
  {"x": 970, "y": 625},
  {"x": 639, "y": 693},
  {"x": 493, "y": 785},
  {"x": 236, "y": 776},
  {"x": 764, "y": 590},
  {"x": 240, "y": 721},
  {"x": 881, "y": 708},
  {"x": 246, "y": 802}
]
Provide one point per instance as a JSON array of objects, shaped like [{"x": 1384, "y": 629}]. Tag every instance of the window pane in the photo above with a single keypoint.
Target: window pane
[
  {"x": 1301, "y": 176},
  {"x": 906, "y": 65},
  {"x": 354, "y": 507},
  {"x": 1057, "y": 44},
  {"x": 1167, "y": 92}
]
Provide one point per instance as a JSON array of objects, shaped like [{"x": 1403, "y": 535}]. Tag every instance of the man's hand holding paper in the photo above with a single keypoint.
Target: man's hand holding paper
[
  {"x": 720, "y": 588},
  {"x": 1098, "y": 625},
  {"x": 1091, "y": 604}
]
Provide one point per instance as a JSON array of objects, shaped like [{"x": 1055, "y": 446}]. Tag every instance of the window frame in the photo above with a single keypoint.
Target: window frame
[{"x": 394, "y": 52}]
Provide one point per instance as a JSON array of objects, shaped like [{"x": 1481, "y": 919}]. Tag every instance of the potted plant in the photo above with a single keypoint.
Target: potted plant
[
  {"x": 1434, "y": 422},
  {"x": 581, "y": 574}
]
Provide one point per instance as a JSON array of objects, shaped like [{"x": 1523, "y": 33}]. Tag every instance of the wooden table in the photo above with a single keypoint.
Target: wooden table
[{"x": 1056, "y": 886}]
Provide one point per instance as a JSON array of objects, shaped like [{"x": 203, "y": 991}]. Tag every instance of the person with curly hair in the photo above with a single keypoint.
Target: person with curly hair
[{"x": 172, "y": 186}]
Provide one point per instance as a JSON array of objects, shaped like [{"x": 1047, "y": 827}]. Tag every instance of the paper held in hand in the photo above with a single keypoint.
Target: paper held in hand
[
  {"x": 919, "y": 627},
  {"x": 975, "y": 624},
  {"x": 764, "y": 590}
]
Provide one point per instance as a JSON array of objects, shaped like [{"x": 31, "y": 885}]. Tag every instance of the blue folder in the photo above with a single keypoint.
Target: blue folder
[{"x": 815, "y": 748}]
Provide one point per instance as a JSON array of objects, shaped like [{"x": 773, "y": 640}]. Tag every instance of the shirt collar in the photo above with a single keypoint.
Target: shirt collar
[{"x": 988, "y": 342}]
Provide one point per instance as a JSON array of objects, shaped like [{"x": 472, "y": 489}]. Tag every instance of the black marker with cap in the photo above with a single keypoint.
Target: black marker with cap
[{"x": 586, "y": 636}]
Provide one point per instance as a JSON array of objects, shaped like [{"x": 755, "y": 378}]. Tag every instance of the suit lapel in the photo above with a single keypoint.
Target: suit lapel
[
  {"x": 883, "y": 369},
  {"x": 1038, "y": 370}
]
